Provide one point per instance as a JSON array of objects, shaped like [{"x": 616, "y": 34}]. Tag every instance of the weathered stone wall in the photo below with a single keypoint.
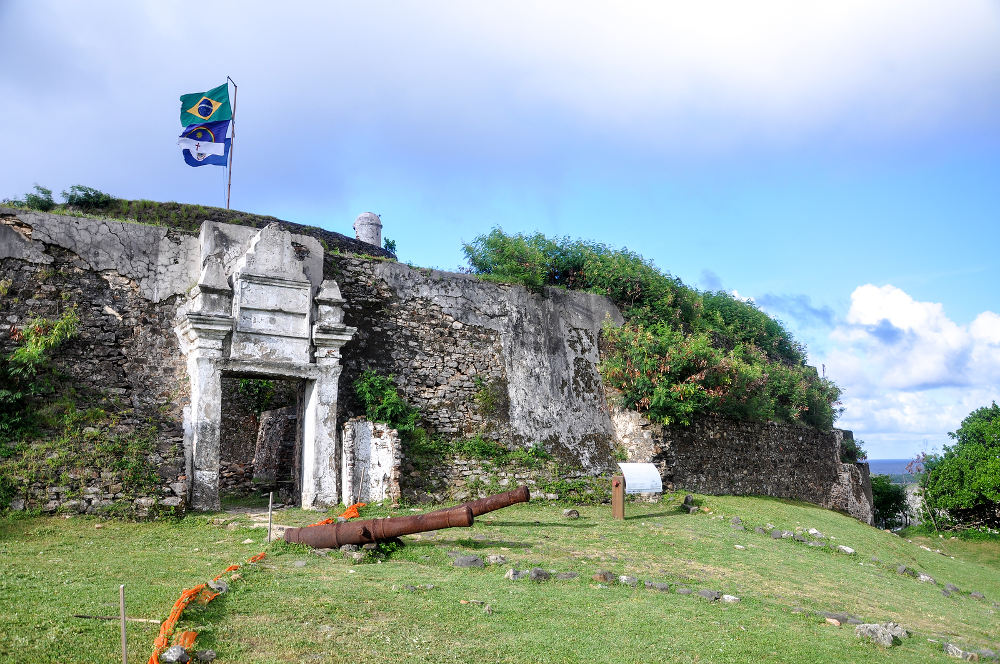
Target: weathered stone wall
[
  {"x": 121, "y": 362},
  {"x": 473, "y": 356},
  {"x": 720, "y": 456},
  {"x": 477, "y": 357}
]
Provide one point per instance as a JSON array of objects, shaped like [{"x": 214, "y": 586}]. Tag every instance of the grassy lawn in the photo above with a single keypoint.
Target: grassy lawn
[{"x": 328, "y": 610}]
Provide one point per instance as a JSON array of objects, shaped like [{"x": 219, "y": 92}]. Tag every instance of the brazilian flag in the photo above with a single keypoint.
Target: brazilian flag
[{"x": 211, "y": 106}]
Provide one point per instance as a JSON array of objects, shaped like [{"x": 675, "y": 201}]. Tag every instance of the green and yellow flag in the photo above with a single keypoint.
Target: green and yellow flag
[{"x": 211, "y": 106}]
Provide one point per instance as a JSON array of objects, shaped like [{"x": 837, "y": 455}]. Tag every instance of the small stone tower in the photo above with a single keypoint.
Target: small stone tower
[{"x": 368, "y": 228}]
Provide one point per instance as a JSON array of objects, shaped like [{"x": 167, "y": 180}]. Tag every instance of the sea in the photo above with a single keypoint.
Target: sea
[{"x": 888, "y": 466}]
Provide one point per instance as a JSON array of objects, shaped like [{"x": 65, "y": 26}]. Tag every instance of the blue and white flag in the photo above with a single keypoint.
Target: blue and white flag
[{"x": 205, "y": 144}]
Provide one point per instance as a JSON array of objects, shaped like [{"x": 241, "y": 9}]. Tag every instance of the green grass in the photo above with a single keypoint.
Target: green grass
[{"x": 333, "y": 611}]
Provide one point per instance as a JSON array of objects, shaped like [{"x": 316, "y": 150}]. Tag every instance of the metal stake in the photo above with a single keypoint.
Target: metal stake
[
  {"x": 121, "y": 607},
  {"x": 270, "y": 505}
]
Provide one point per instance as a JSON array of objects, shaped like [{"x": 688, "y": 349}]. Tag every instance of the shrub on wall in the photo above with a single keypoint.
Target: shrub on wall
[{"x": 681, "y": 352}]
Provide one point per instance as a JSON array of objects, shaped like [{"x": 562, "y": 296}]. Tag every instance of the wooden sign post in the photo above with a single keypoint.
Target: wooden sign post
[
  {"x": 618, "y": 497},
  {"x": 635, "y": 478}
]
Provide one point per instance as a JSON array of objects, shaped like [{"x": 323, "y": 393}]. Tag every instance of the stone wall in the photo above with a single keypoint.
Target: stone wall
[
  {"x": 122, "y": 372},
  {"x": 719, "y": 456},
  {"x": 476, "y": 358},
  {"x": 481, "y": 358}
]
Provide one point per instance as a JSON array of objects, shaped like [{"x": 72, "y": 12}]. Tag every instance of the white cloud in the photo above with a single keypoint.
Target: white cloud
[{"x": 908, "y": 369}]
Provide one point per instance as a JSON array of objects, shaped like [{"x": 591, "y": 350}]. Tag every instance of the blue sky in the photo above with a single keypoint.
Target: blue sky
[{"x": 837, "y": 163}]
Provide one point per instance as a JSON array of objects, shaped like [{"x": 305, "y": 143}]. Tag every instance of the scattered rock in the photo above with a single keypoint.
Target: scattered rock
[
  {"x": 688, "y": 500},
  {"x": 785, "y": 534},
  {"x": 496, "y": 559},
  {"x": 571, "y": 514},
  {"x": 248, "y": 541},
  {"x": 174, "y": 654},
  {"x": 760, "y": 531},
  {"x": 710, "y": 595},
  {"x": 692, "y": 509},
  {"x": 323, "y": 553},
  {"x": 566, "y": 576},
  {"x": 952, "y": 588},
  {"x": 775, "y": 534},
  {"x": 683, "y": 590},
  {"x": 816, "y": 533},
  {"x": 903, "y": 569},
  {"x": 975, "y": 594},
  {"x": 814, "y": 543},
  {"x": 845, "y": 549},
  {"x": 876, "y": 633},
  {"x": 539, "y": 574},
  {"x": 833, "y": 621},
  {"x": 800, "y": 538},
  {"x": 341, "y": 519},
  {"x": 219, "y": 586},
  {"x": 730, "y": 599},
  {"x": 348, "y": 548},
  {"x": 626, "y": 580},
  {"x": 410, "y": 589},
  {"x": 370, "y": 546},
  {"x": 841, "y": 617},
  {"x": 603, "y": 576},
  {"x": 955, "y": 651},
  {"x": 662, "y": 587},
  {"x": 737, "y": 526},
  {"x": 488, "y": 610},
  {"x": 205, "y": 655},
  {"x": 739, "y": 547},
  {"x": 299, "y": 563},
  {"x": 925, "y": 578},
  {"x": 468, "y": 561},
  {"x": 735, "y": 521},
  {"x": 516, "y": 575}
]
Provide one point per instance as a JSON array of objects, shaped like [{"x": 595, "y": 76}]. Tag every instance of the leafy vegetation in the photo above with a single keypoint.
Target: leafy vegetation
[
  {"x": 258, "y": 393},
  {"x": 38, "y": 199},
  {"x": 383, "y": 402},
  {"x": 87, "y": 198},
  {"x": 681, "y": 353},
  {"x": 889, "y": 502},
  {"x": 962, "y": 485},
  {"x": 25, "y": 371},
  {"x": 852, "y": 451}
]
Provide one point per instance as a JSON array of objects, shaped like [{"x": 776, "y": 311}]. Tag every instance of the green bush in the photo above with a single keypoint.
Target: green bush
[
  {"x": 86, "y": 198},
  {"x": 889, "y": 502},
  {"x": 965, "y": 480},
  {"x": 681, "y": 353},
  {"x": 258, "y": 392},
  {"x": 852, "y": 451},
  {"x": 24, "y": 371},
  {"x": 39, "y": 199},
  {"x": 383, "y": 403}
]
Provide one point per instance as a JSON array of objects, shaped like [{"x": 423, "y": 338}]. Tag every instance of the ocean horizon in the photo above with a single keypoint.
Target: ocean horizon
[{"x": 888, "y": 466}]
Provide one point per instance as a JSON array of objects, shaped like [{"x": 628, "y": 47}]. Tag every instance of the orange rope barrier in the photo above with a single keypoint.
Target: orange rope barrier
[
  {"x": 350, "y": 513},
  {"x": 188, "y": 595}
]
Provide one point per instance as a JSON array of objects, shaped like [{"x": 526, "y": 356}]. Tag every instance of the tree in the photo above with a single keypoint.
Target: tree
[
  {"x": 889, "y": 502},
  {"x": 965, "y": 480}
]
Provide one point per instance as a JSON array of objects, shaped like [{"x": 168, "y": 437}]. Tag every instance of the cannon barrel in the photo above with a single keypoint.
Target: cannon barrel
[
  {"x": 499, "y": 501},
  {"x": 335, "y": 535}
]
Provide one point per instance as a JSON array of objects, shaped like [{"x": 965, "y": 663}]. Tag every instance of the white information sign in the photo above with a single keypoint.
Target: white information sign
[{"x": 641, "y": 478}]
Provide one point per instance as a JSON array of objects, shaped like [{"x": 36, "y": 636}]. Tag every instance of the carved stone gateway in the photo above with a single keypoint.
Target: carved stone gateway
[{"x": 261, "y": 308}]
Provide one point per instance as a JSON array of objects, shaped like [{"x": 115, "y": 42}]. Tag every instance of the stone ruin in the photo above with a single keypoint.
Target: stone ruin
[{"x": 261, "y": 309}]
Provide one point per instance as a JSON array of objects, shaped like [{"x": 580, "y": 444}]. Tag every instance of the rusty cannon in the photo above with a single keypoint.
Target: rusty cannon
[
  {"x": 499, "y": 501},
  {"x": 335, "y": 535}
]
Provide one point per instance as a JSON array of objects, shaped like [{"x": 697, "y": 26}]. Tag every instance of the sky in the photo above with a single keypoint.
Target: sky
[{"x": 837, "y": 163}]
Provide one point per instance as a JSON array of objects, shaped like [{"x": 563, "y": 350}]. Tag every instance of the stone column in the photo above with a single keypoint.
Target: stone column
[
  {"x": 205, "y": 323},
  {"x": 319, "y": 440}
]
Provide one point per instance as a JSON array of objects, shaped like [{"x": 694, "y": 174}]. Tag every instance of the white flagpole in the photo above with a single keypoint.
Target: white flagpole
[{"x": 232, "y": 142}]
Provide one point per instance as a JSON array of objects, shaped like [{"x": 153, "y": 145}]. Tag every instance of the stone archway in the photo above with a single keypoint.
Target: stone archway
[{"x": 261, "y": 308}]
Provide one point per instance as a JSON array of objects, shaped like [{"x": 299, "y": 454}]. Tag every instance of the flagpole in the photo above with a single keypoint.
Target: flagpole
[{"x": 229, "y": 184}]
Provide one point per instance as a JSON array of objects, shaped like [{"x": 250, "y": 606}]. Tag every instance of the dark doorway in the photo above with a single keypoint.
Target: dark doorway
[{"x": 260, "y": 439}]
